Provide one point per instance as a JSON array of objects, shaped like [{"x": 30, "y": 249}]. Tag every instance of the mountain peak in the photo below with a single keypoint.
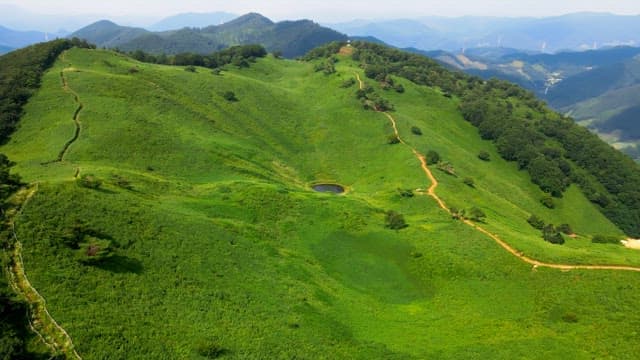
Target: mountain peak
[{"x": 251, "y": 18}]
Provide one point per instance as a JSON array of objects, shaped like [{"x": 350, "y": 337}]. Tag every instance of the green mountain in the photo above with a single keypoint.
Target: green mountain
[
  {"x": 106, "y": 33},
  {"x": 292, "y": 38},
  {"x": 169, "y": 212}
]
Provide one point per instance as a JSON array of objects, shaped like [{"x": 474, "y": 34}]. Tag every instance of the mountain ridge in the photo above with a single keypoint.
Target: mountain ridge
[{"x": 291, "y": 38}]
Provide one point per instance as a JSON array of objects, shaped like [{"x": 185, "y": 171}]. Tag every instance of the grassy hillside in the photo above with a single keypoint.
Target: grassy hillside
[{"x": 221, "y": 249}]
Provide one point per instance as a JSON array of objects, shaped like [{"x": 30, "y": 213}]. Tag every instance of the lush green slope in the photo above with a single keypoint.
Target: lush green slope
[
  {"x": 220, "y": 248},
  {"x": 291, "y": 38}
]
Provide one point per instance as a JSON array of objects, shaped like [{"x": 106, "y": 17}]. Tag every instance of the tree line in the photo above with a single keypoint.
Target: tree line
[{"x": 240, "y": 56}]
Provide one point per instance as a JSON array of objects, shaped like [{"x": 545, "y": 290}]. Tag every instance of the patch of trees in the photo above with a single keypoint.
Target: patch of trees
[
  {"x": 484, "y": 156},
  {"x": 20, "y": 75},
  {"x": 474, "y": 214},
  {"x": 328, "y": 66},
  {"x": 550, "y": 232},
  {"x": 372, "y": 100},
  {"x": 230, "y": 96},
  {"x": 394, "y": 220},
  {"x": 605, "y": 239},
  {"x": 240, "y": 56}
]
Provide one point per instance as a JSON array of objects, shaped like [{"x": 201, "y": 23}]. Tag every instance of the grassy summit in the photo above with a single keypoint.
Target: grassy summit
[{"x": 219, "y": 247}]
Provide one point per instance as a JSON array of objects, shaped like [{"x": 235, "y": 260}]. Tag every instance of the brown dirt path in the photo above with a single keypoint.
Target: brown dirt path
[{"x": 432, "y": 193}]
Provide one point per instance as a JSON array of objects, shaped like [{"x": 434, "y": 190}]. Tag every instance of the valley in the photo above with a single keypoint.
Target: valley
[{"x": 219, "y": 247}]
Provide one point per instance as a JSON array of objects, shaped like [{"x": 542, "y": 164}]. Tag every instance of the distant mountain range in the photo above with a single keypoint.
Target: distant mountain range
[
  {"x": 12, "y": 39},
  {"x": 578, "y": 31},
  {"x": 598, "y": 88},
  {"x": 292, "y": 38},
  {"x": 5, "y": 49},
  {"x": 192, "y": 20}
]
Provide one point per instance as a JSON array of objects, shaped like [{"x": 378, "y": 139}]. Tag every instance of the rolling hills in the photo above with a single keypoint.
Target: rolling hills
[
  {"x": 218, "y": 247},
  {"x": 291, "y": 38}
]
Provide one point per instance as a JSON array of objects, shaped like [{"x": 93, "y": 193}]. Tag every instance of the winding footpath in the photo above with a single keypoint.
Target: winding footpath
[
  {"x": 76, "y": 117},
  {"x": 432, "y": 193},
  {"x": 40, "y": 320}
]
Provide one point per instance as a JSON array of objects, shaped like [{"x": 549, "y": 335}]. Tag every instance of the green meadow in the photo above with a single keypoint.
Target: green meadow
[{"x": 222, "y": 250}]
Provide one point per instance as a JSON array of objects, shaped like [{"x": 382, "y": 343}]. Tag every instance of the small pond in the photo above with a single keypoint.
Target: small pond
[{"x": 328, "y": 188}]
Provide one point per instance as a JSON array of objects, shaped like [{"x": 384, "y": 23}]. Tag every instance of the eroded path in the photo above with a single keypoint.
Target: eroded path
[
  {"x": 76, "y": 116},
  {"x": 40, "y": 320},
  {"x": 432, "y": 193}
]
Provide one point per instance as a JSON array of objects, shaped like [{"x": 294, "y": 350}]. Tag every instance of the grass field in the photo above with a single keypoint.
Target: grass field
[{"x": 222, "y": 249}]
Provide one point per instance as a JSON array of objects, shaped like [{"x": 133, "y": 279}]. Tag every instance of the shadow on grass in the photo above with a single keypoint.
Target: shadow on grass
[{"x": 121, "y": 265}]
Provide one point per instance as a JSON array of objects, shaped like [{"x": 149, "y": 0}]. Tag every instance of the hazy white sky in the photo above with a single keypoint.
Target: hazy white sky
[{"x": 330, "y": 10}]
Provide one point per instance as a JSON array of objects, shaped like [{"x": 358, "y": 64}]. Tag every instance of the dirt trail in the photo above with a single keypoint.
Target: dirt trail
[
  {"x": 40, "y": 320},
  {"x": 76, "y": 117},
  {"x": 432, "y": 193}
]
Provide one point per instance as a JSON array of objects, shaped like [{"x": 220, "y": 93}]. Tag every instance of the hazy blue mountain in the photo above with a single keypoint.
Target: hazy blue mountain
[
  {"x": 401, "y": 33},
  {"x": 192, "y": 20},
  {"x": 292, "y": 38},
  {"x": 17, "y": 18},
  {"x": 5, "y": 49},
  {"x": 578, "y": 31},
  {"x": 575, "y": 31},
  {"x": 17, "y": 39}
]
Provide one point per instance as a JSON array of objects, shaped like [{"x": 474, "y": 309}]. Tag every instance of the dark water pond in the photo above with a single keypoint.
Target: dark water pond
[{"x": 328, "y": 188}]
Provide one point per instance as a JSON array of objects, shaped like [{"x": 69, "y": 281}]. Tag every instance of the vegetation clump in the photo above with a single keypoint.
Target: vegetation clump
[
  {"x": 484, "y": 156},
  {"x": 416, "y": 130},
  {"x": 605, "y": 239},
  {"x": 229, "y": 96},
  {"x": 432, "y": 157},
  {"x": 89, "y": 181},
  {"x": 394, "y": 220},
  {"x": 469, "y": 182},
  {"x": 348, "y": 83},
  {"x": 476, "y": 214},
  {"x": 552, "y": 235},
  {"x": 447, "y": 168},
  {"x": 548, "y": 202},
  {"x": 406, "y": 193},
  {"x": 393, "y": 139},
  {"x": 565, "y": 229},
  {"x": 536, "y": 222}
]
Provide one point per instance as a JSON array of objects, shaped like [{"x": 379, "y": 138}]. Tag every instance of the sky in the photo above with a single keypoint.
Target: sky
[{"x": 330, "y": 10}]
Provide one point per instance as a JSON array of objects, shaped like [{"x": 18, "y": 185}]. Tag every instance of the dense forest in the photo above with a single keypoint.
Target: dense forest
[
  {"x": 240, "y": 56},
  {"x": 20, "y": 74},
  {"x": 553, "y": 149}
]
